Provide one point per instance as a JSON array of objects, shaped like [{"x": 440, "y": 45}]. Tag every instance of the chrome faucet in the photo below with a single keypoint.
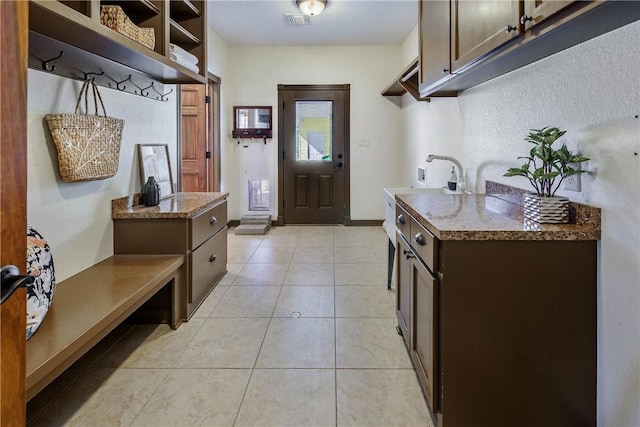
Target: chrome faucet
[{"x": 460, "y": 183}]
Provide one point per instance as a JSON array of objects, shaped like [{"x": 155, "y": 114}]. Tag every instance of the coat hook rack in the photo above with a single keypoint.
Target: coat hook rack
[
  {"x": 45, "y": 64},
  {"x": 86, "y": 75},
  {"x": 162, "y": 95}
]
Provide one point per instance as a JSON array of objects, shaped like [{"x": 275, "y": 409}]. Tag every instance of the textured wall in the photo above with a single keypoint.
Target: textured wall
[
  {"x": 593, "y": 91},
  {"x": 76, "y": 217}
]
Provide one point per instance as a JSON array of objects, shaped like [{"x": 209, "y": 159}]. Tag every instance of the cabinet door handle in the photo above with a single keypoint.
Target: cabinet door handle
[
  {"x": 445, "y": 70},
  {"x": 400, "y": 219},
  {"x": 419, "y": 239},
  {"x": 511, "y": 28},
  {"x": 213, "y": 220},
  {"x": 408, "y": 254},
  {"x": 525, "y": 18},
  {"x": 212, "y": 258}
]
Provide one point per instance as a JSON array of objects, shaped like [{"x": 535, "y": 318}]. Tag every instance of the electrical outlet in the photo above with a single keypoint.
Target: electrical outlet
[
  {"x": 572, "y": 183},
  {"x": 422, "y": 176}
]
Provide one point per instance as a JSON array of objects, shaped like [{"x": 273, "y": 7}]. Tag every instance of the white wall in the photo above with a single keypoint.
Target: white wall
[
  {"x": 593, "y": 91},
  {"x": 255, "y": 73},
  {"x": 75, "y": 218}
]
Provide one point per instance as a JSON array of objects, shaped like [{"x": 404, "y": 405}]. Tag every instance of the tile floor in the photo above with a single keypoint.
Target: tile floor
[{"x": 300, "y": 332}]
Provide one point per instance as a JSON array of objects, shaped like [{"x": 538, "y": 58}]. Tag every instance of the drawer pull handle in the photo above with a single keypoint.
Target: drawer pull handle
[
  {"x": 419, "y": 239},
  {"x": 400, "y": 219},
  {"x": 212, "y": 258},
  {"x": 213, "y": 220}
]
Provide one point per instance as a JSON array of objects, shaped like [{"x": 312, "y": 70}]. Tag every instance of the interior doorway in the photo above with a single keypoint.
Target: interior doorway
[
  {"x": 313, "y": 160},
  {"x": 199, "y": 147}
]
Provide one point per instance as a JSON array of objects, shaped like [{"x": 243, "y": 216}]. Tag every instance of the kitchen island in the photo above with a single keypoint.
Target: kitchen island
[
  {"x": 190, "y": 224},
  {"x": 498, "y": 315}
]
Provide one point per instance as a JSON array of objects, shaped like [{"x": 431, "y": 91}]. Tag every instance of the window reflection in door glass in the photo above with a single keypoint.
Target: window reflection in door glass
[{"x": 314, "y": 130}]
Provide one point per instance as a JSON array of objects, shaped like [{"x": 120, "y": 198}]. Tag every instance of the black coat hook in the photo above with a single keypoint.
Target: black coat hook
[
  {"x": 123, "y": 86},
  {"x": 148, "y": 87},
  {"x": 162, "y": 95},
  {"x": 45, "y": 64}
]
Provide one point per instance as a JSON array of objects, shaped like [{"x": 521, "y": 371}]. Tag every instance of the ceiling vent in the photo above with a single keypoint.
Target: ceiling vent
[{"x": 297, "y": 19}]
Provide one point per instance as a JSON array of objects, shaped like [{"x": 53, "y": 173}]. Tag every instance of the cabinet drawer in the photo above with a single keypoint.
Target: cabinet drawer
[
  {"x": 208, "y": 264},
  {"x": 207, "y": 223},
  {"x": 403, "y": 221},
  {"x": 424, "y": 243}
]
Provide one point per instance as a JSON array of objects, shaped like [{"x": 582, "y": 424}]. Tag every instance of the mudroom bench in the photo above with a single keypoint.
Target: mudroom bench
[{"x": 90, "y": 304}]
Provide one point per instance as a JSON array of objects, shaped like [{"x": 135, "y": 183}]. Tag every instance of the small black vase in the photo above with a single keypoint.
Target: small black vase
[{"x": 151, "y": 192}]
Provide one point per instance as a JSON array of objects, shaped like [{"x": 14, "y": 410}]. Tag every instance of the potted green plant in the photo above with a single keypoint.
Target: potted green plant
[{"x": 546, "y": 168}]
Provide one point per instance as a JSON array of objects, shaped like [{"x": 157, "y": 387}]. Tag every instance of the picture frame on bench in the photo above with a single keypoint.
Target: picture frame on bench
[{"x": 155, "y": 161}]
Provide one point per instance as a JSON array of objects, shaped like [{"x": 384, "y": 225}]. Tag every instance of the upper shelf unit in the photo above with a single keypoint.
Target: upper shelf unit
[{"x": 56, "y": 26}]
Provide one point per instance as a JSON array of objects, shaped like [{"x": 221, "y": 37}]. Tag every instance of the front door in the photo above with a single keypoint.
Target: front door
[
  {"x": 13, "y": 206},
  {"x": 313, "y": 142}
]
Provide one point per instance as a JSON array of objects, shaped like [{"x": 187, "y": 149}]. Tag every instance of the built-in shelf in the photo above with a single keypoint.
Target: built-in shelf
[
  {"x": 183, "y": 9},
  {"x": 407, "y": 81},
  {"x": 136, "y": 10},
  {"x": 181, "y": 35},
  {"x": 94, "y": 48}
]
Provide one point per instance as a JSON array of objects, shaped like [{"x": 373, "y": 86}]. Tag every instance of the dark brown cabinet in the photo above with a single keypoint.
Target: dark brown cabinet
[
  {"x": 434, "y": 43},
  {"x": 479, "y": 27},
  {"x": 536, "y": 11},
  {"x": 493, "y": 339},
  {"x": 417, "y": 301},
  {"x": 489, "y": 38},
  {"x": 201, "y": 238},
  {"x": 424, "y": 290},
  {"x": 403, "y": 291}
]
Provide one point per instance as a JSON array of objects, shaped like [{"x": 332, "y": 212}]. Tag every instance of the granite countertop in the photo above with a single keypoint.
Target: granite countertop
[
  {"x": 489, "y": 217},
  {"x": 180, "y": 205}
]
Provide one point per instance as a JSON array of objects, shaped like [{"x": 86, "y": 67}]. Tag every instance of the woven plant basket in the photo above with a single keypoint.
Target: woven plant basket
[
  {"x": 115, "y": 18},
  {"x": 88, "y": 145}
]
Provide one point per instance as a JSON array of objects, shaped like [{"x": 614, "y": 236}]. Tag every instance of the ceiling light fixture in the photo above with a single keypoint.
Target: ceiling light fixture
[{"x": 311, "y": 7}]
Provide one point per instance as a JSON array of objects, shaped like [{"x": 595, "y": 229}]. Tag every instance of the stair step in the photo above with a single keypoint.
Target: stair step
[
  {"x": 252, "y": 229},
  {"x": 256, "y": 219}
]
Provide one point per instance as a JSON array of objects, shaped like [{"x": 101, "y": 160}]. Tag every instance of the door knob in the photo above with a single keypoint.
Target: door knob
[
  {"x": 213, "y": 220},
  {"x": 339, "y": 164},
  {"x": 419, "y": 239},
  {"x": 400, "y": 219},
  {"x": 212, "y": 258},
  {"x": 11, "y": 281}
]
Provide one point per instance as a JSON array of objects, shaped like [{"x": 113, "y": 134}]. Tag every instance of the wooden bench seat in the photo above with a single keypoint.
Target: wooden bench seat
[{"x": 89, "y": 305}]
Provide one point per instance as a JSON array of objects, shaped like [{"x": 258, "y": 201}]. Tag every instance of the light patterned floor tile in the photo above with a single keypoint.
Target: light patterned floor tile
[
  {"x": 194, "y": 397},
  {"x": 298, "y": 343},
  {"x": 210, "y": 302},
  {"x": 380, "y": 398},
  {"x": 361, "y": 274},
  {"x": 272, "y": 255},
  {"x": 289, "y": 397},
  {"x": 247, "y": 301},
  {"x": 103, "y": 397},
  {"x": 225, "y": 343},
  {"x": 308, "y": 301},
  {"x": 310, "y": 275},
  {"x": 262, "y": 274},
  {"x": 370, "y": 343},
  {"x": 312, "y": 255},
  {"x": 364, "y": 301},
  {"x": 151, "y": 346}
]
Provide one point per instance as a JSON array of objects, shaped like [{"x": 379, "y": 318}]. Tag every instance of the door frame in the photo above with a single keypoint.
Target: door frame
[{"x": 346, "y": 88}]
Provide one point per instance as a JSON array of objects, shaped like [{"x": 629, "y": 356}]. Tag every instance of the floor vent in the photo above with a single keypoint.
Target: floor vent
[{"x": 254, "y": 224}]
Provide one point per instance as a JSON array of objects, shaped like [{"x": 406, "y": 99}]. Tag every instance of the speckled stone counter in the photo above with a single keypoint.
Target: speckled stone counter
[
  {"x": 489, "y": 217},
  {"x": 180, "y": 205}
]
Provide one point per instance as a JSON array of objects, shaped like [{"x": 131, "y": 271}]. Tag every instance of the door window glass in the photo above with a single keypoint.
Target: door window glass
[{"x": 314, "y": 130}]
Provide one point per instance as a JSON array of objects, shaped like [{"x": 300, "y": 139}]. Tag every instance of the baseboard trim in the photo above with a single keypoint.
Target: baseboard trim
[{"x": 366, "y": 222}]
